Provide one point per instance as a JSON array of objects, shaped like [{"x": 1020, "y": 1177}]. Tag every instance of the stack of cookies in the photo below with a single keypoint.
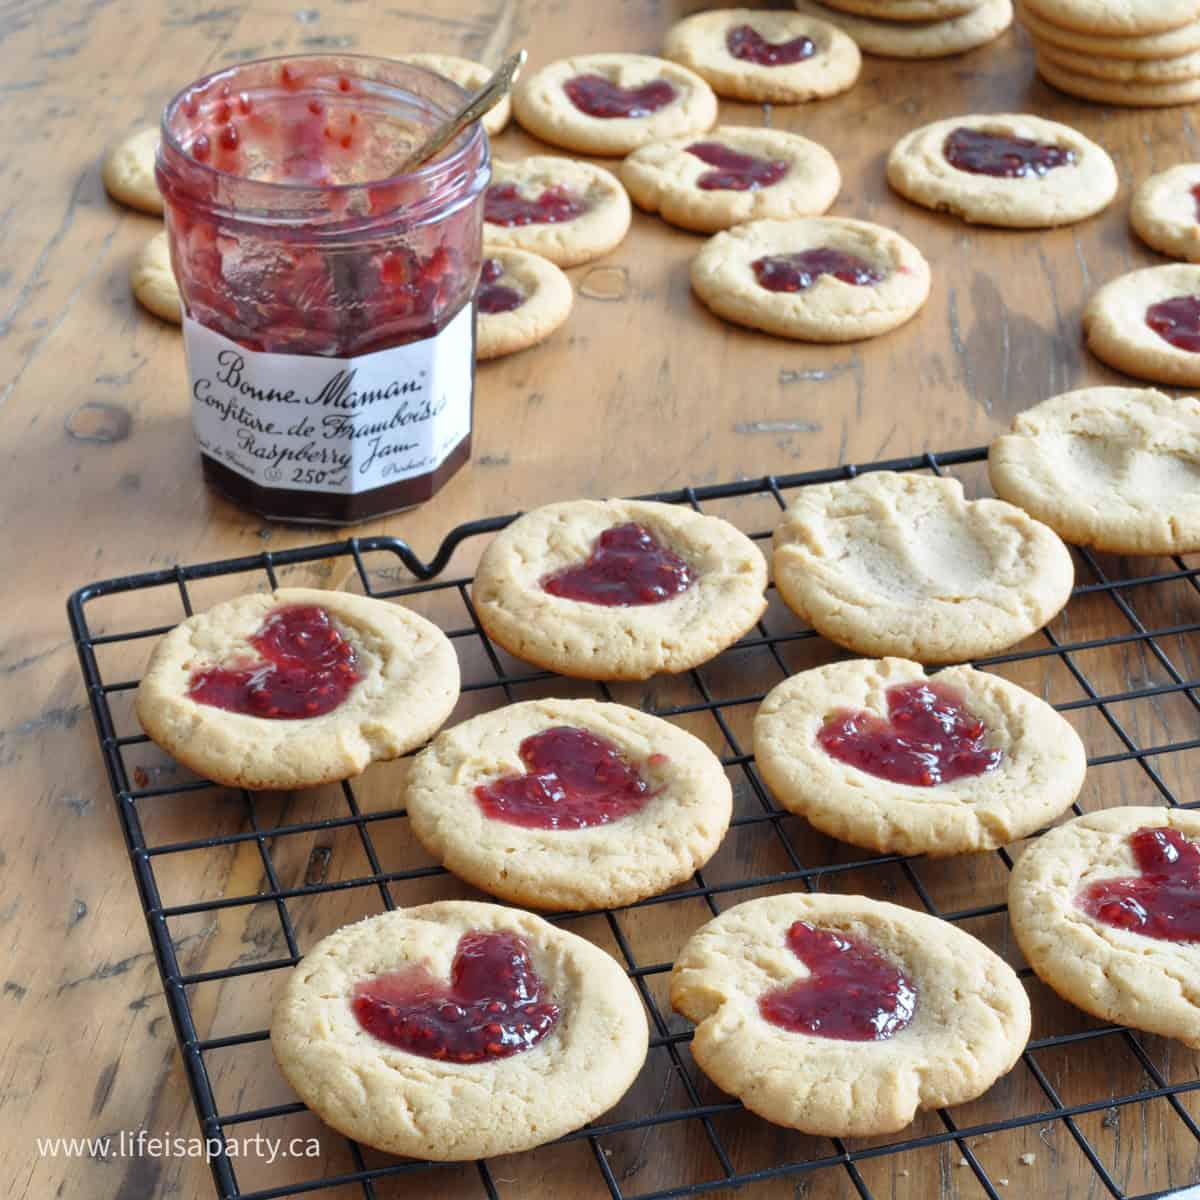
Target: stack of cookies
[
  {"x": 915, "y": 28},
  {"x": 1139, "y": 53}
]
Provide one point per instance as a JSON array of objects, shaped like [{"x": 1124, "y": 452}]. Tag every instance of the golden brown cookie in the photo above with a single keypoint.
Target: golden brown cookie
[
  {"x": 297, "y": 687},
  {"x": 1100, "y": 933},
  {"x": 873, "y": 752},
  {"x": 522, "y": 299},
  {"x": 734, "y": 174},
  {"x": 580, "y": 103},
  {"x": 1147, "y": 324},
  {"x": 618, "y": 589},
  {"x": 566, "y": 211},
  {"x": 458, "y": 1030},
  {"x": 967, "y": 166},
  {"x": 906, "y": 565},
  {"x": 152, "y": 280},
  {"x": 1109, "y": 91},
  {"x": 128, "y": 171},
  {"x": 885, "y": 1011},
  {"x": 1110, "y": 467},
  {"x": 765, "y": 56},
  {"x": 1122, "y": 18},
  {"x": 816, "y": 279},
  {"x": 569, "y": 803},
  {"x": 918, "y": 39},
  {"x": 469, "y": 75},
  {"x": 1165, "y": 212}
]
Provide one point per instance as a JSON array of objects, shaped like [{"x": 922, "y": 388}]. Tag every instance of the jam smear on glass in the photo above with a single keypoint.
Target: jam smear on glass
[
  {"x": 306, "y": 669},
  {"x": 494, "y": 1006},
  {"x": 928, "y": 738},
  {"x": 493, "y": 297},
  {"x": 504, "y": 205},
  {"x": 1163, "y": 902},
  {"x": 798, "y": 272},
  {"x": 853, "y": 993},
  {"x": 1177, "y": 321},
  {"x": 981, "y": 153},
  {"x": 600, "y": 97},
  {"x": 627, "y": 566},
  {"x": 746, "y": 43},
  {"x": 735, "y": 172},
  {"x": 574, "y": 780}
]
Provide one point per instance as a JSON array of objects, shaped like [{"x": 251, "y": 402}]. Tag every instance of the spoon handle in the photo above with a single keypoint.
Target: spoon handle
[{"x": 485, "y": 99}]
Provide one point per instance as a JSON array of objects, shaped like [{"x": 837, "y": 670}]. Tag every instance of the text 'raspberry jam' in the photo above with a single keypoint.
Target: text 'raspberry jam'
[
  {"x": 493, "y": 1007},
  {"x": 852, "y": 992},
  {"x": 328, "y": 319},
  {"x": 493, "y": 297},
  {"x": 997, "y": 154},
  {"x": 928, "y": 738},
  {"x": 626, "y": 567},
  {"x": 1163, "y": 902},
  {"x": 1177, "y": 321},
  {"x": 798, "y": 272},
  {"x": 746, "y": 43},
  {"x": 735, "y": 172},
  {"x": 600, "y": 97},
  {"x": 574, "y": 780},
  {"x": 306, "y": 669},
  {"x": 504, "y": 205}
]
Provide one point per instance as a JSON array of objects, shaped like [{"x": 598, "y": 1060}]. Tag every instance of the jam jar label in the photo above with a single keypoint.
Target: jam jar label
[{"x": 310, "y": 423}]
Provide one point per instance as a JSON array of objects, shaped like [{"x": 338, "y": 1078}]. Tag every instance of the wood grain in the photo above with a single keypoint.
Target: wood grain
[{"x": 641, "y": 390}]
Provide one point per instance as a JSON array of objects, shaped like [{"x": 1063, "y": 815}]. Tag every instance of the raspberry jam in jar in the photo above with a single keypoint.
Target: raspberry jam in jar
[{"x": 328, "y": 315}]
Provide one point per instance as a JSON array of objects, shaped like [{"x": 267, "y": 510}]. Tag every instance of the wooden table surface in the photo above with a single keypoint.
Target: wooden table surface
[{"x": 641, "y": 390}]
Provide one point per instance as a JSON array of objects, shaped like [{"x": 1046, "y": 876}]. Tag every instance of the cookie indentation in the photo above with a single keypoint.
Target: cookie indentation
[
  {"x": 929, "y": 737},
  {"x": 798, "y": 272},
  {"x": 851, "y": 993},
  {"x": 735, "y": 172},
  {"x": 306, "y": 669},
  {"x": 600, "y": 97},
  {"x": 494, "y": 1007},
  {"x": 982, "y": 153},
  {"x": 1163, "y": 902},
  {"x": 493, "y": 296},
  {"x": 627, "y": 566},
  {"x": 746, "y": 43},
  {"x": 574, "y": 780},
  {"x": 505, "y": 205}
]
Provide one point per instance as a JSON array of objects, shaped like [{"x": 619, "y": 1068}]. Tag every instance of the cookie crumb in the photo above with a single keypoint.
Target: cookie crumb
[
  {"x": 962, "y": 1162},
  {"x": 1027, "y": 1160},
  {"x": 1002, "y": 1182},
  {"x": 904, "y": 1173}
]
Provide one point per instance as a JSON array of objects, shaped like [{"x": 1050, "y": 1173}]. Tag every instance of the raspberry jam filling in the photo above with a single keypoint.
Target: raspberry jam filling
[
  {"x": 504, "y": 205},
  {"x": 746, "y": 43},
  {"x": 493, "y": 297},
  {"x": 573, "y": 780},
  {"x": 306, "y": 669},
  {"x": 929, "y": 737},
  {"x": 997, "y": 154},
  {"x": 735, "y": 172},
  {"x": 798, "y": 272},
  {"x": 627, "y": 566},
  {"x": 600, "y": 97},
  {"x": 1195, "y": 190},
  {"x": 1163, "y": 902},
  {"x": 852, "y": 992},
  {"x": 1177, "y": 321},
  {"x": 493, "y": 1007}
]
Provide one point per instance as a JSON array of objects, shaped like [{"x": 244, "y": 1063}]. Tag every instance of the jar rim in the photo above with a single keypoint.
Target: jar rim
[{"x": 442, "y": 164}]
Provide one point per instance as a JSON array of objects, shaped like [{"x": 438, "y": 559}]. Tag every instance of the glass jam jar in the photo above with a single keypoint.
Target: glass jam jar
[{"x": 328, "y": 315}]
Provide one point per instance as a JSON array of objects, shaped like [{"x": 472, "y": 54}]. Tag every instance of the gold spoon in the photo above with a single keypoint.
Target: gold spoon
[{"x": 485, "y": 99}]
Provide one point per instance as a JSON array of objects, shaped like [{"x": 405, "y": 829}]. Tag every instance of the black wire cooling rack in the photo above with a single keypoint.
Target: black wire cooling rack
[{"x": 232, "y": 900}]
